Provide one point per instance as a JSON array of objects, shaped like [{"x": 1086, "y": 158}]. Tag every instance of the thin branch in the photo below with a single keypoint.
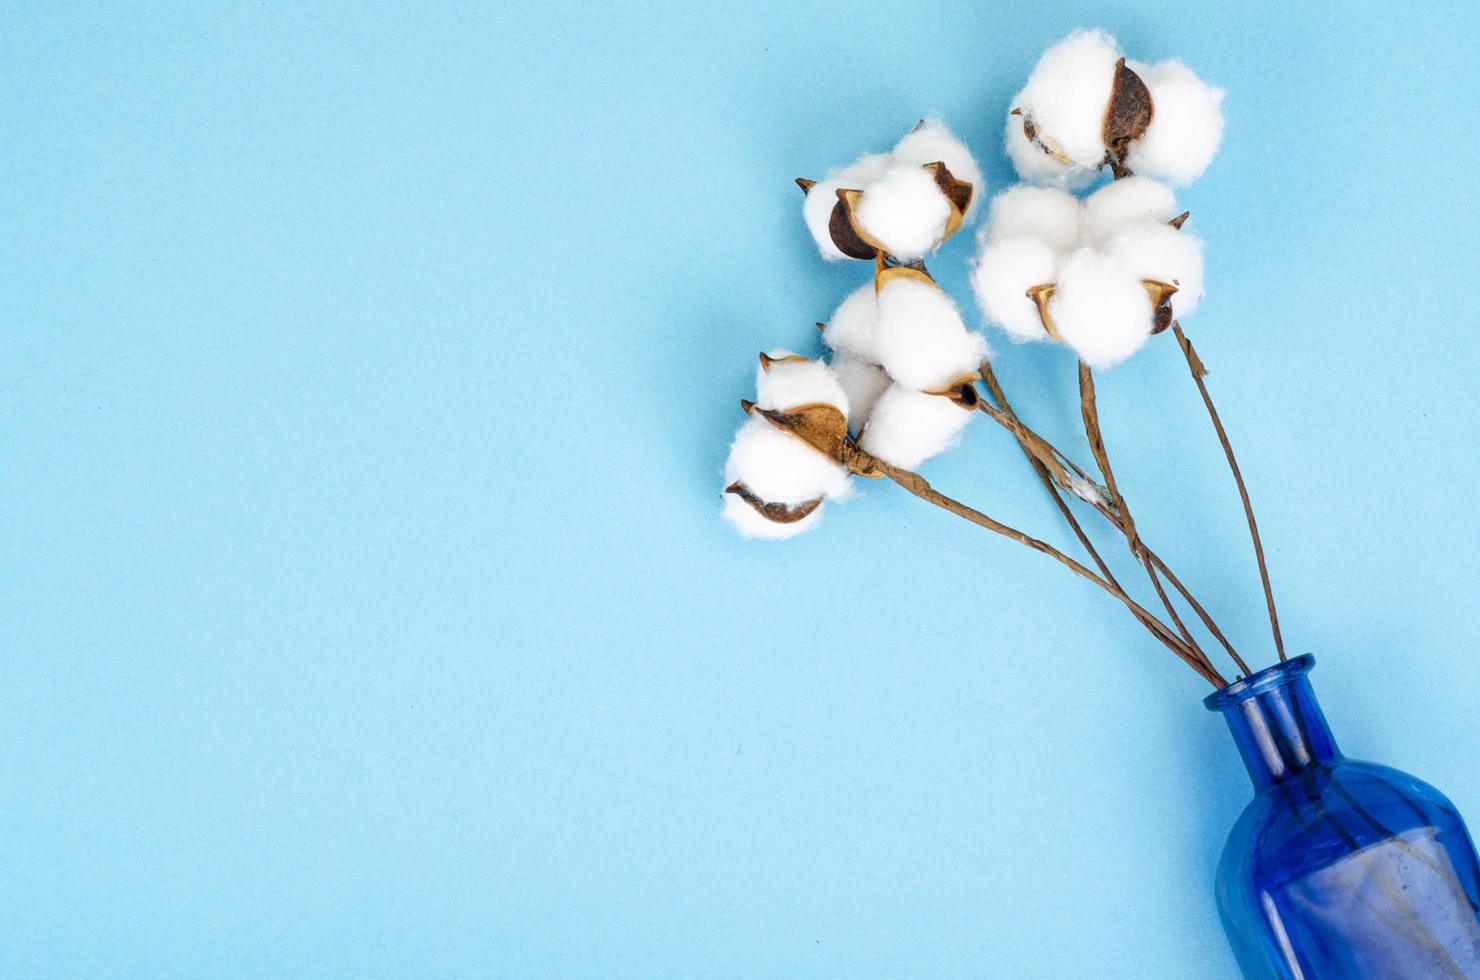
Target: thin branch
[
  {"x": 1195, "y": 365},
  {"x": 1089, "y": 409},
  {"x": 920, "y": 487},
  {"x": 1038, "y": 449}
]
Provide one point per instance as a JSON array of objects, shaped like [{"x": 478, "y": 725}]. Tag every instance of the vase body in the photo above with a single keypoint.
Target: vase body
[{"x": 1338, "y": 868}]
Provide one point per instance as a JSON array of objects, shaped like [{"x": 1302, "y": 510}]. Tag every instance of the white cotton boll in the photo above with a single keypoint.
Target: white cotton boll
[
  {"x": 1186, "y": 124},
  {"x": 751, "y": 524},
  {"x": 908, "y": 427},
  {"x": 1068, "y": 93},
  {"x": 905, "y": 211},
  {"x": 863, "y": 382},
  {"x": 785, "y": 384},
  {"x": 1100, "y": 308},
  {"x": 1153, "y": 250},
  {"x": 822, "y": 197},
  {"x": 923, "y": 342},
  {"x": 780, "y": 468},
  {"x": 854, "y": 326},
  {"x": 1005, "y": 270},
  {"x": 932, "y": 142},
  {"x": 1130, "y": 200},
  {"x": 1040, "y": 212}
]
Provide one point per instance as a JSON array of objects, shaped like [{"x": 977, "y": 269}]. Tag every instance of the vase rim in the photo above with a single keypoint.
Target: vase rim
[{"x": 1259, "y": 682}]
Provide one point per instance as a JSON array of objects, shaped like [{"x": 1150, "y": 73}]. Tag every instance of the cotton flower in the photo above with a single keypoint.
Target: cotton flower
[
  {"x": 908, "y": 427},
  {"x": 776, "y": 482},
  {"x": 1101, "y": 276},
  {"x": 1085, "y": 106},
  {"x": 922, "y": 341},
  {"x": 903, "y": 203},
  {"x": 1061, "y": 109}
]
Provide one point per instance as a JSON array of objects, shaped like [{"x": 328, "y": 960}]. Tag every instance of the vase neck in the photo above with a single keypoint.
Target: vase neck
[{"x": 1277, "y": 723}]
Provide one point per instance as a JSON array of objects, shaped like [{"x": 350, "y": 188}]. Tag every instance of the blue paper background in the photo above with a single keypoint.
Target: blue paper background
[{"x": 366, "y": 378}]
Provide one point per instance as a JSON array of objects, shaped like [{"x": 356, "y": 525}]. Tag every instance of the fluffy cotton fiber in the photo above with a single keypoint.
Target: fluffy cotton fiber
[
  {"x": 1041, "y": 212},
  {"x": 932, "y": 142},
  {"x": 901, "y": 206},
  {"x": 1100, "y": 308},
  {"x": 905, "y": 211},
  {"x": 1005, "y": 270},
  {"x": 863, "y": 382},
  {"x": 1127, "y": 201},
  {"x": 787, "y": 382},
  {"x": 1154, "y": 250},
  {"x": 1064, "y": 101},
  {"x": 908, "y": 427},
  {"x": 854, "y": 326},
  {"x": 1185, "y": 129},
  {"x": 923, "y": 342}
]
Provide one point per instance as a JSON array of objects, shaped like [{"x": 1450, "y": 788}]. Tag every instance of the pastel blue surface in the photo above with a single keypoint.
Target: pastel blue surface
[{"x": 366, "y": 611}]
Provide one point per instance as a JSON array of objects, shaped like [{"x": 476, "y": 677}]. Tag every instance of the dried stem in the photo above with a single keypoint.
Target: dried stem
[
  {"x": 1195, "y": 365},
  {"x": 921, "y": 488},
  {"x": 1089, "y": 409},
  {"x": 1038, "y": 450}
]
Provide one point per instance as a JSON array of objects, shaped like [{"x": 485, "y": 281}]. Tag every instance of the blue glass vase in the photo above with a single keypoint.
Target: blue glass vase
[{"x": 1338, "y": 868}]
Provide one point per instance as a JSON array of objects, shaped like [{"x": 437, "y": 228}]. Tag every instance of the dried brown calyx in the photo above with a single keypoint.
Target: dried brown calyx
[
  {"x": 957, "y": 192},
  {"x": 767, "y": 360},
  {"x": 1161, "y": 303},
  {"x": 1040, "y": 295},
  {"x": 820, "y": 426},
  {"x": 1126, "y": 117},
  {"x": 845, "y": 231},
  {"x": 887, "y": 270},
  {"x": 1044, "y": 144},
  {"x": 962, "y": 392},
  {"x": 772, "y": 511}
]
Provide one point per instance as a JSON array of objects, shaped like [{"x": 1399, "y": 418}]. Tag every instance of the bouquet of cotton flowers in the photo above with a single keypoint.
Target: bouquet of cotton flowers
[
  {"x": 1102, "y": 275},
  {"x": 1369, "y": 870}
]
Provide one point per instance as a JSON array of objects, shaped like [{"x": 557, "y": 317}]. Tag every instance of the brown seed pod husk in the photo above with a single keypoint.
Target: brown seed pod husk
[
  {"x": 1127, "y": 116},
  {"x": 820, "y": 426},
  {"x": 771, "y": 511},
  {"x": 1180, "y": 220},
  {"x": 1048, "y": 146},
  {"x": 1040, "y": 295},
  {"x": 1161, "y": 303},
  {"x": 962, "y": 392},
  {"x": 884, "y": 273},
  {"x": 844, "y": 230},
  {"x": 767, "y": 360},
  {"x": 957, "y": 192},
  {"x": 805, "y": 184}
]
